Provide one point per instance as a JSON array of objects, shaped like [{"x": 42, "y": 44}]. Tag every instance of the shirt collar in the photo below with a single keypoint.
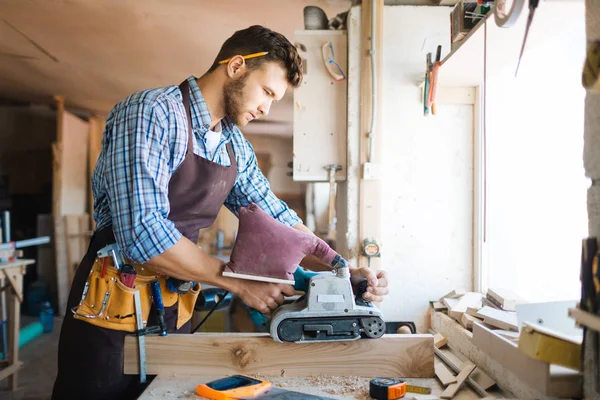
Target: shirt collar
[{"x": 201, "y": 118}]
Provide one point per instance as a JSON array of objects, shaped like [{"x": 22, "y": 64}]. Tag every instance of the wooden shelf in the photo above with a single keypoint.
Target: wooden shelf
[{"x": 464, "y": 65}]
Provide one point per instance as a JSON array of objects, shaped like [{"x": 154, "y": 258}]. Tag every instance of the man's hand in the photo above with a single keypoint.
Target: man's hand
[
  {"x": 263, "y": 296},
  {"x": 378, "y": 284}
]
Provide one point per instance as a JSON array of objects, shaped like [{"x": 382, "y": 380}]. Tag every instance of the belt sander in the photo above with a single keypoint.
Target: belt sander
[{"x": 268, "y": 250}]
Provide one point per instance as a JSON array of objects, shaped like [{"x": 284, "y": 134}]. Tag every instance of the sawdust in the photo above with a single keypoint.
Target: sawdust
[{"x": 355, "y": 386}]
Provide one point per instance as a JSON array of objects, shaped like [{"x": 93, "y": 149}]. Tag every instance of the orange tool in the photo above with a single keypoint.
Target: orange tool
[
  {"x": 233, "y": 387},
  {"x": 387, "y": 388}
]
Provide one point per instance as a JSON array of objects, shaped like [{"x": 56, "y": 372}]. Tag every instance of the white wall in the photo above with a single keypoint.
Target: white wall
[
  {"x": 280, "y": 149},
  {"x": 537, "y": 187},
  {"x": 428, "y": 170}
]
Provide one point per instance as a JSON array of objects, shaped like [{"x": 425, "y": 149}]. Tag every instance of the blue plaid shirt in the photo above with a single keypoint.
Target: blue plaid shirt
[{"x": 144, "y": 142}]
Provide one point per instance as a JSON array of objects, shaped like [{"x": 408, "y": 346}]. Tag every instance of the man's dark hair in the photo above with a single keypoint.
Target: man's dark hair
[{"x": 256, "y": 39}]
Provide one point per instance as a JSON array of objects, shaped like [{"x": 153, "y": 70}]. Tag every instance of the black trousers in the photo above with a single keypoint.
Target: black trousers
[{"x": 90, "y": 358}]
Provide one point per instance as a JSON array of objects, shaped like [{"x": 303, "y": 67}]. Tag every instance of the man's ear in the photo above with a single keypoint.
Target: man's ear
[{"x": 236, "y": 67}]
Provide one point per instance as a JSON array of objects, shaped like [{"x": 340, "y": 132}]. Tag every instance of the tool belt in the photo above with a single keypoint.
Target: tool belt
[{"x": 107, "y": 303}]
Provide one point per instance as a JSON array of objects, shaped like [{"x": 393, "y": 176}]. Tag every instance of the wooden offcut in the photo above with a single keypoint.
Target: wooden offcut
[
  {"x": 439, "y": 340},
  {"x": 451, "y": 390},
  {"x": 444, "y": 374},
  {"x": 409, "y": 356}
]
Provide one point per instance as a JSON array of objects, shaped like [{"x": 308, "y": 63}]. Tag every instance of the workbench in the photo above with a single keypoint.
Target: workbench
[
  {"x": 11, "y": 280},
  {"x": 336, "y": 387}
]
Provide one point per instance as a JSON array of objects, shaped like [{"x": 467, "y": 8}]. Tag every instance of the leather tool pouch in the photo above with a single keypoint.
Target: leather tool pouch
[
  {"x": 186, "y": 305},
  {"x": 107, "y": 303}
]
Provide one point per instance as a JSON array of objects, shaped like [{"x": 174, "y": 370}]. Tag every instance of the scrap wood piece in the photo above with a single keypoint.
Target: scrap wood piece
[
  {"x": 450, "y": 302},
  {"x": 467, "y": 321},
  {"x": 444, "y": 374},
  {"x": 454, "y": 294},
  {"x": 505, "y": 299},
  {"x": 455, "y": 364},
  {"x": 439, "y": 340},
  {"x": 473, "y": 310},
  {"x": 409, "y": 356},
  {"x": 498, "y": 318},
  {"x": 451, "y": 390},
  {"x": 471, "y": 299},
  {"x": 438, "y": 306}
]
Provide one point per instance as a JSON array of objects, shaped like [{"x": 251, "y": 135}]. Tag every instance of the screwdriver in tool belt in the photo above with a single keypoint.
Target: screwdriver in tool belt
[{"x": 160, "y": 307}]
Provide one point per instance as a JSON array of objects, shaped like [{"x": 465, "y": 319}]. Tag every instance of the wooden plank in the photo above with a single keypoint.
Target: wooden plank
[
  {"x": 62, "y": 272},
  {"x": 461, "y": 340},
  {"x": 409, "y": 356},
  {"x": 57, "y": 157},
  {"x": 444, "y": 374},
  {"x": 508, "y": 355},
  {"x": 71, "y": 223},
  {"x": 74, "y": 165},
  {"x": 14, "y": 320},
  {"x": 556, "y": 381},
  {"x": 498, "y": 318},
  {"x": 46, "y": 263}
]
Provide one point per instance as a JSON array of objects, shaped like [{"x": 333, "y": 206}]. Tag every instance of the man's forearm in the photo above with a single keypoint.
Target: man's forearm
[{"x": 188, "y": 262}]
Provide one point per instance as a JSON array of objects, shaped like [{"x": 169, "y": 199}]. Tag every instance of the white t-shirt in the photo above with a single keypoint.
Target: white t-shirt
[{"x": 213, "y": 138}]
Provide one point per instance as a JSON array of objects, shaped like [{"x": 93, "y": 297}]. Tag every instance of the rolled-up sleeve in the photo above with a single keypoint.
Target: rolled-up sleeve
[
  {"x": 251, "y": 186},
  {"x": 138, "y": 170}
]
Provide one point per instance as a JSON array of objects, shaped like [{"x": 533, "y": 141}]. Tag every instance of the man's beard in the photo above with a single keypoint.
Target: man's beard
[{"x": 234, "y": 100}]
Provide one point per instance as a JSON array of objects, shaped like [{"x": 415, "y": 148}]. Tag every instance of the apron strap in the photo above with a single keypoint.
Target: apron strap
[{"x": 185, "y": 94}]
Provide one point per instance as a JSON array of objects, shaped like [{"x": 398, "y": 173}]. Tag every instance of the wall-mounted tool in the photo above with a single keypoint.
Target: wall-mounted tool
[
  {"x": 434, "y": 81},
  {"x": 533, "y": 4},
  {"x": 427, "y": 85},
  {"x": 331, "y": 217},
  {"x": 371, "y": 249}
]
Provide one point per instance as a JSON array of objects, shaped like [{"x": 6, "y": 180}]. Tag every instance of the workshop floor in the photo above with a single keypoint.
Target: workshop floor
[{"x": 36, "y": 377}]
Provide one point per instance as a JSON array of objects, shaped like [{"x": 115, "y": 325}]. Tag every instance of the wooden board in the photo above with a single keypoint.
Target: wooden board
[
  {"x": 409, "y": 356},
  {"x": 497, "y": 361},
  {"x": 559, "y": 382},
  {"x": 505, "y": 298},
  {"x": 498, "y": 318}
]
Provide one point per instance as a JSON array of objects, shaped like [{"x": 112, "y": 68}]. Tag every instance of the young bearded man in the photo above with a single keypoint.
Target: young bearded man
[{"x": 171, "y": 157}]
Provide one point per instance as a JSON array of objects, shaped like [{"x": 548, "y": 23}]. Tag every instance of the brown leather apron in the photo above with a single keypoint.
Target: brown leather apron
[{"x": 90, "y": 358}]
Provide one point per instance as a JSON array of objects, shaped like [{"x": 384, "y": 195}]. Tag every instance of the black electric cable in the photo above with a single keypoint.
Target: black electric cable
[{"x": 210, "y": 312}]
